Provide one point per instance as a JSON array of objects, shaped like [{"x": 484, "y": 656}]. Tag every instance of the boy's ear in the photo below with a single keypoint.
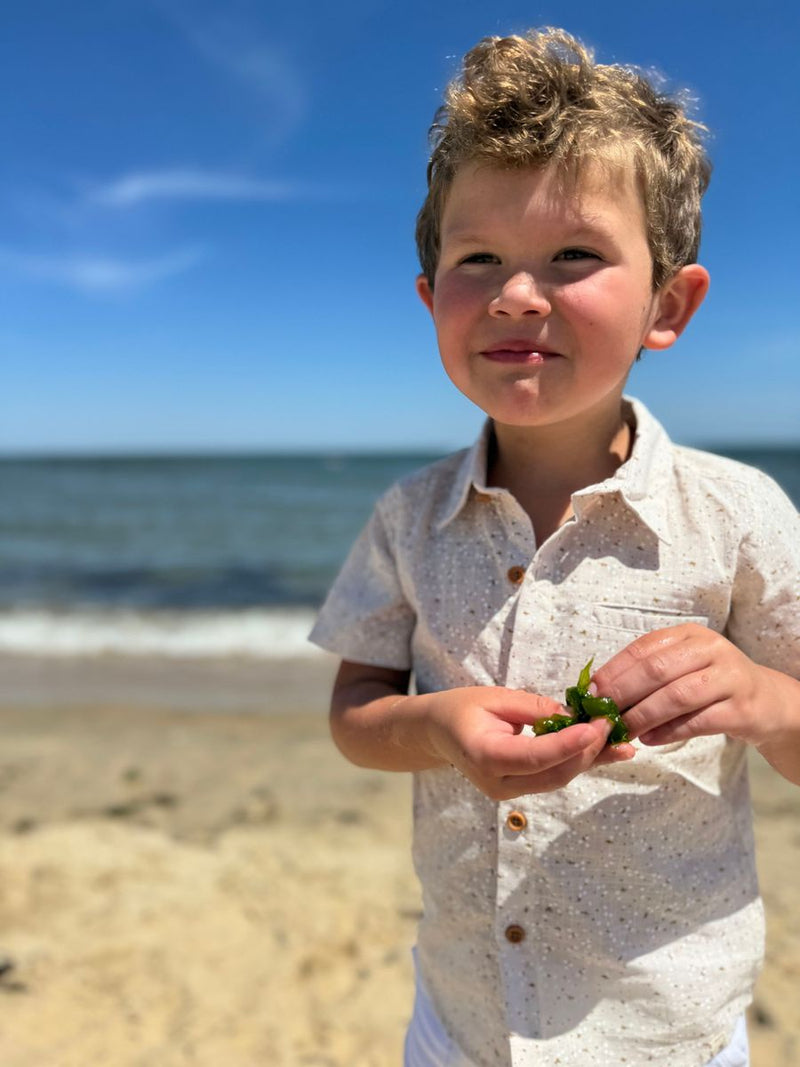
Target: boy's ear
[
  {"x": 425, "y": 292},
  {"x": 678, "y": 300}
]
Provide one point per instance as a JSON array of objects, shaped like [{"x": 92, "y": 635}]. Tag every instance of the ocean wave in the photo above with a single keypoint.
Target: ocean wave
[{"x": 255, "y": 634}]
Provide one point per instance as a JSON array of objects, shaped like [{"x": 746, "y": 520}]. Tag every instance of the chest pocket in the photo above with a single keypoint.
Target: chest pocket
[
  {"x": 602, "y": 630},
  {"x": 639, "y": 620}
]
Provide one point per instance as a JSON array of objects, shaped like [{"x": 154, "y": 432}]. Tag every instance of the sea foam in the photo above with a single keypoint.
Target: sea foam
[{"x": 254, "y": 633}]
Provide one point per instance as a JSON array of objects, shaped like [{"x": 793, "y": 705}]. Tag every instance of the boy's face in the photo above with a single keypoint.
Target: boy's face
[{"x": 543, "y": 296}]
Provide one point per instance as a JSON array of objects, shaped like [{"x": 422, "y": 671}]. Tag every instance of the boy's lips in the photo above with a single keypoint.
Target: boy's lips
[{"x": 518, "y": 351}]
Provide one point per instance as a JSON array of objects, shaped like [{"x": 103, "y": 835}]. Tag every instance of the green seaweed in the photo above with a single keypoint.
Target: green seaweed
[
  {"x": 585, "y": 707},
  {"x": 552, "y": 724}
]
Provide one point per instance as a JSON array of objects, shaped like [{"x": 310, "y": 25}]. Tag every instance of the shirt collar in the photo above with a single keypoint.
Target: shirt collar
[
  {"x": 639, "y": 482},
  {"x": 470, "y": 474}
]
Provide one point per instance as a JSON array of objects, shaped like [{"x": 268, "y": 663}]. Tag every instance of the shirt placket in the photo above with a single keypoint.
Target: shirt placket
[
  {"x": 520, "y": 924},
  {"x": 516, "y": 924},
  {"x": 514, "y": 919}
]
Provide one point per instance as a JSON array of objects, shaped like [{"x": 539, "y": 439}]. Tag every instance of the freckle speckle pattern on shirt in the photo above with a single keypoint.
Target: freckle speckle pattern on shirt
[{"x": 616, "y": 920}]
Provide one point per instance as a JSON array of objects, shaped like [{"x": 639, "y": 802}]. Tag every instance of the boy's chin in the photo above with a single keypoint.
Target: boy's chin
[{"x": 574, "y": 420}]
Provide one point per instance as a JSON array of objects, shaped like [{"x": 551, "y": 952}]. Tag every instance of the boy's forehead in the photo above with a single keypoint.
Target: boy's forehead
[{"x": 481, "y": 192}]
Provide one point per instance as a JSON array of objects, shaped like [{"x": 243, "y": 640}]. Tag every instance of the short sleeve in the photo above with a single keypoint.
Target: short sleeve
[
  {"x": 765, "y": 607},
  {"x": 366, "y": 616}
]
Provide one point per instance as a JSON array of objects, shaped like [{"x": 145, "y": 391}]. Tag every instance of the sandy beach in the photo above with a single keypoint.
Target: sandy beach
[{"x": 190, "y": 874}]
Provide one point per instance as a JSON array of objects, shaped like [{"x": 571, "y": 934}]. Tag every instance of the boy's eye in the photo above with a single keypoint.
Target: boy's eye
[
  {"x": 480, "y": 257},
  {"x": 576, "y": 253}
]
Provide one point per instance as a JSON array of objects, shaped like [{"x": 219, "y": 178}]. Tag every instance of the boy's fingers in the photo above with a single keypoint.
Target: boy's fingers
[
  {"x": 685, "y": 727},
  {"x": 682, "y": 698},
  {"x": 513, "y": 754},
  {"x": 521, "y": 708},
  {"x": 652, "y": 662},
  {"x": 557, "y": 775},
  {"x": 615, "y": 754}
]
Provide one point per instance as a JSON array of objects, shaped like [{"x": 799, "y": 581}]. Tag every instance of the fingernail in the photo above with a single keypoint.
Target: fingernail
[
  {"x": 624, "y": 750},
  {"x": 593, "y": 689}
]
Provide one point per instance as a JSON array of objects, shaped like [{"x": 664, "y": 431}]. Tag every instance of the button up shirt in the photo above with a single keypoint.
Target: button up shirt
[{"x": 616, "y": 920}]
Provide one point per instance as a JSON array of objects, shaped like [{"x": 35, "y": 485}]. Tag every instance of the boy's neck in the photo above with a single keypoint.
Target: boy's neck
[{"x": 543, "y": 466}]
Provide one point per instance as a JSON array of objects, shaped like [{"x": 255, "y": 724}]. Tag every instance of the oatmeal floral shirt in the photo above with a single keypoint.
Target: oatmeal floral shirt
[{"x": 619, "y": 917}]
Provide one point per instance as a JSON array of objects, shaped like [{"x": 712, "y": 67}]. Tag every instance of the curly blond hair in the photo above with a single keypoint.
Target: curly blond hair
[{"x": 541, "y": 99}]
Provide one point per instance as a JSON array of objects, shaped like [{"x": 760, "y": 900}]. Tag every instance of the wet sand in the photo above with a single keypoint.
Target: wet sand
[{"x": 190, "y": 874}]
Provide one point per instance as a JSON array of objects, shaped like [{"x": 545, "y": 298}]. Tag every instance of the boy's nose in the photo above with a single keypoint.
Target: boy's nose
[{"x": 520, "y": 295}]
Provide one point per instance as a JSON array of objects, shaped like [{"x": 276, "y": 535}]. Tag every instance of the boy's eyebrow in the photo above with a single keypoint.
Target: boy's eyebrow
[
  {"x": 465, "y": 237},
  {"x": 574, "y": 231}
]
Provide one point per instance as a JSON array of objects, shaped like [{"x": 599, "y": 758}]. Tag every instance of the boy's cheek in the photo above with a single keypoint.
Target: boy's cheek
[{"x": 455, "y": 295}]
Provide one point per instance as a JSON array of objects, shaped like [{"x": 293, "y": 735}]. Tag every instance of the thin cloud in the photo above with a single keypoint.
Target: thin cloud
[
  {"x": 138, "y": 187},
  {"x": 98, "y": 275},
  {"x": 234, "y": 43}
]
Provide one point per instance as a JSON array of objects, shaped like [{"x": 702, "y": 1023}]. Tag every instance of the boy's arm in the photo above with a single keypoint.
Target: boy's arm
[
  {"x": 476, "y": 729},
  {"x": 782, "y": 748},
  {"x": 688, "y": 681}
]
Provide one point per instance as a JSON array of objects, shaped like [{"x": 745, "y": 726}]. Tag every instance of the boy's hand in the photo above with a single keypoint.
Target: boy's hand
[
  {"x": 478, "y": 731},
  {"x": 688, "y": 681}
]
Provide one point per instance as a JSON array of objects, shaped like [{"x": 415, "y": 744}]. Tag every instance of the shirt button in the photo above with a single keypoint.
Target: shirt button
[
  {"x": 516, "y": 574},
  {"x": 516, "y": 821},
  {"x": 515, "y": 933}
]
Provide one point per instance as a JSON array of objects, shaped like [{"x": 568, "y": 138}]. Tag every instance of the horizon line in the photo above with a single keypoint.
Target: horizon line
[{"x": 327, "y": 451}]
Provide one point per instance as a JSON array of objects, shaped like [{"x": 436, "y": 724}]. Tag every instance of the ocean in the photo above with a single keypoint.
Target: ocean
[{"x": 194, "y": 556}]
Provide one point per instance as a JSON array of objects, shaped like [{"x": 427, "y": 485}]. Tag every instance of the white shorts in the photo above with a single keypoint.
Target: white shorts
[{"x": 427, "y": 1044}]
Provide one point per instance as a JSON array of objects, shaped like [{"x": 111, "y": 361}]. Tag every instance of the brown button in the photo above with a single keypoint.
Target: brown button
[
  {"x": 515, "y": 820},
  {"x": 515, "y": 933},
  {"x": 516, "y": 574}
]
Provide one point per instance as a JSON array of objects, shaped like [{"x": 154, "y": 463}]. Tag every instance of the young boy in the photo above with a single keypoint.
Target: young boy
[{"x": 583, "y": 903}]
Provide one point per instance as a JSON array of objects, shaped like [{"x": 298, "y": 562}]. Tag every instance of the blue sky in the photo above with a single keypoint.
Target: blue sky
[{"x": 207, "y": 219}]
